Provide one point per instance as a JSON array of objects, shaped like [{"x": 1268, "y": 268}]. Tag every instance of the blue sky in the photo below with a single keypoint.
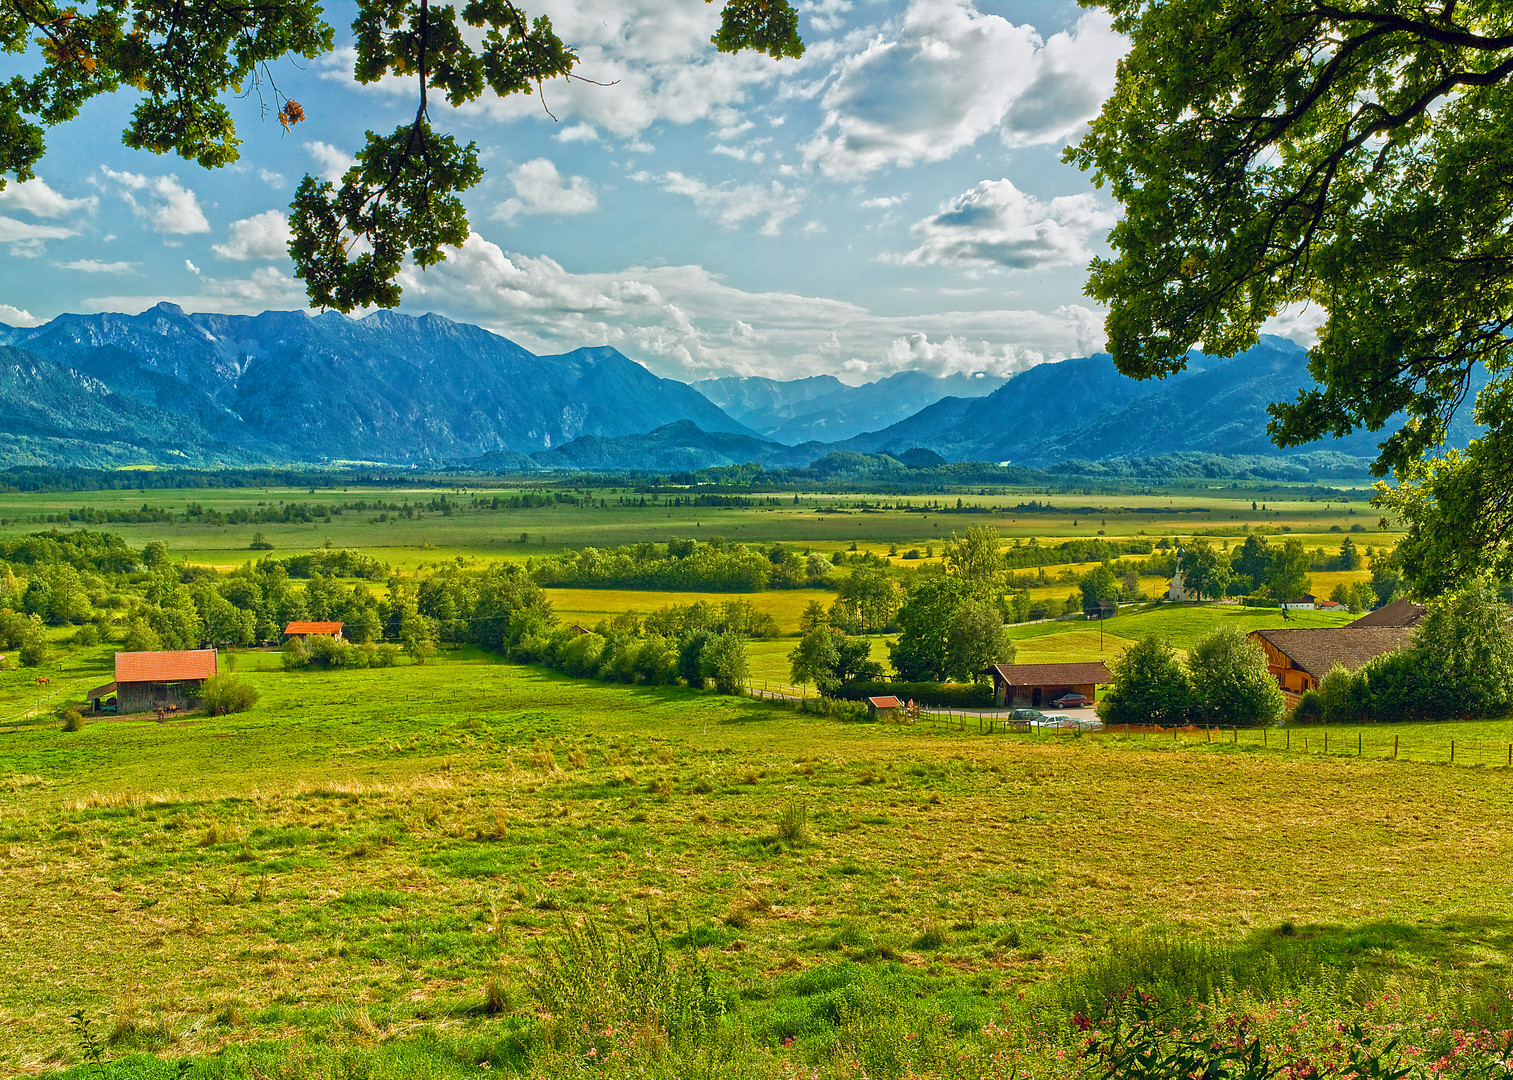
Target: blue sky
[{"x": 894, "y": 200}]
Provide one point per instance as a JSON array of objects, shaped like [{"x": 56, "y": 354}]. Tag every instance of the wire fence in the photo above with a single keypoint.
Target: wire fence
[{"x": 1371, "y": 743}]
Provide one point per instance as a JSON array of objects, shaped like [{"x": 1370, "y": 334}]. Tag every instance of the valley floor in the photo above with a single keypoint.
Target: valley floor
[{"x": 370, "y": 858}]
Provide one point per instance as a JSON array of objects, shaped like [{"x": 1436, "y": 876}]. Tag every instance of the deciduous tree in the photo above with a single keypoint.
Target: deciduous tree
[
  {"x": 1149, "y": 686},
  {"x": 1347, "y": 155}
]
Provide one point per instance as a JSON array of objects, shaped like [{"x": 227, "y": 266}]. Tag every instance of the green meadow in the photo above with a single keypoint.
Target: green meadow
[
  {"x": 372, "y": 857},
  {"x": 396, "y": 872}
]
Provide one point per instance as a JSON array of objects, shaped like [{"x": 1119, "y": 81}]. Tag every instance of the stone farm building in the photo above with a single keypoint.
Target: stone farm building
[
  {"x": 1299, "y": 659},
  {"x": 1033, "y": 685},
  {"x": 313, "y": 629},
  {"x": 146, "y": 680}
]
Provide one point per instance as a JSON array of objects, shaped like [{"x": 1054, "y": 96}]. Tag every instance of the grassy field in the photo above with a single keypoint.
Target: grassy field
[
  {"x": 354, "y": 861},
  {"x": 431, "y": 537}
]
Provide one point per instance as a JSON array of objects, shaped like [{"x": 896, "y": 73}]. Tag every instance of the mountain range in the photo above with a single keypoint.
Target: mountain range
[{"x": 167, "y": 387}]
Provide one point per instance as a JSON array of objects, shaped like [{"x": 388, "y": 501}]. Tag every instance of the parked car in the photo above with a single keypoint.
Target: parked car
[
  {"x": 1070, "y": 701},
  {"x": 1034, "y": 716}
]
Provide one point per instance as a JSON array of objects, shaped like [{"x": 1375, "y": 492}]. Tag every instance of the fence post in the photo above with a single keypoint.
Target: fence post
[
  {"x": 1326, "y": 740},
  {"x": 1234, "y": 736},
  {"x": 1265, "y": 738},
  {"x": 1357, "y": 744},
  {"x": 1452, "y": 751},
  {"x": 1394, "y": 747},
  {"x": 1289, "y": 739}
]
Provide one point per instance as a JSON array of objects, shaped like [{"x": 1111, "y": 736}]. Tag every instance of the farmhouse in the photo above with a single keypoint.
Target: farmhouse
[
  {"x": 1040, "y": 684},
  {"x": 301, "y": 629},
  {"x": 1298, "y": 659},
  {"x": 1306, "y": 602},
  {"x": 147, "y": 680}
]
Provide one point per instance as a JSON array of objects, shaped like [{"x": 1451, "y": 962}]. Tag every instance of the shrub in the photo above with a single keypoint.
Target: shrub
[
  {"x": 1310, "y": 708},
  {"x": 72, "y": 720},
  {"x": 224, "y": 694},
  {"x": 88, "y": 634},
  {"x": 1231, "y": 682},
  {"x": 1149, "y": 687},
  {"x": 944, "y": 695}
]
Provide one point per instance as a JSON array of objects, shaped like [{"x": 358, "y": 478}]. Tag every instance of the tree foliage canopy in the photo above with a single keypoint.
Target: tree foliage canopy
[
  {"x": 402, "y": 197},
  {"x": 1347, "y": 154}
]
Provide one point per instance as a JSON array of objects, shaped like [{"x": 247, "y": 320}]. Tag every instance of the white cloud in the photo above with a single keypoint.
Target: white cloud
[
  {"x": 174, "y": 210},
  {"x": 264, "y": 289},
  {"x": 36, "y": 198},
  {"x": 330, "y": 163},
  {"x": 731, "y": 203},
  {"x": 1298, "y": 322},
  {"x": 262, "y": 236},
  {"x": 578, "y": 133},
  {"x": 997, "y": 225},
  {"x": 826, "y": 16},
  {"x": 14, "y": 316},
  {"x": 881, "y": 202},
  {"x": 684, "y": 322},
  {"x": 541, "y": 189},
  {"x": 653, "y": 62},
  {"x": 193, "y": 269},
  {"x": 97, "y": 266},
  {"x": 28, "y": 240},
  {"x": 947, "y": 75},
  {"x": 271, "y": 178}
]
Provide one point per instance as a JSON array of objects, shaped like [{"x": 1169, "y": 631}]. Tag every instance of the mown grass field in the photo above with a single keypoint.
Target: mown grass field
[{"x": 355, "y": 858}]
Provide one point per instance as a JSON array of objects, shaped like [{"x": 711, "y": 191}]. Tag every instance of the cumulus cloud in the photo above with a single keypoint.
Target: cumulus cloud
[
  {"x": 330, "y": 163},
  {"x": 97, "y": 266},
  {"x": 947, "y": 74},
  {"x": 732, "y": 204},
  {"x": 14, "y": 316},
  {"x": 997, "y": 225},
  {"x": 28, "y": 240},
  {"x": 541, "y": 189},
  {"x": 170, "y": 207},
  {"x": 36, "y": 198},
  {"x": 262, "y": 236},
  {"x": 578, "y": 133},
  {"x": 684, "y": 322},
  {"x": 659, "y": 58}
]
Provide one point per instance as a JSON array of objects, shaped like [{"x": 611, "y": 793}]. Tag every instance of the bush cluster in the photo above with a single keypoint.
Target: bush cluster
[
  {"x": 326, "y": 654},
  {"x": 225, "y": 693}
]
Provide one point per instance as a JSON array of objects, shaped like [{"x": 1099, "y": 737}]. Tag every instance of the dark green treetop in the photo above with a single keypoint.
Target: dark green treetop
[{"x": 1346, "y": 154}]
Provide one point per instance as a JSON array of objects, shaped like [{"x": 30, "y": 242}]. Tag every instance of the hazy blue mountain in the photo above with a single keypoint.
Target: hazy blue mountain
[
  {"x": 51, "y": 414},
  {"x": 825, "y": 409},
  {"x": 387, "y": 387},
  {"x": 753, "y": 396},
  {"x": 1084, "y": 409},
  {"x": 676, "y": 447}
]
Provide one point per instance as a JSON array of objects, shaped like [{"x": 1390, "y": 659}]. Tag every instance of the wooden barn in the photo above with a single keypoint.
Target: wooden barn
[
  {"x": 302, "y": 629},
  {"x": 885, "y": 708},
  {"x": 1298, "y": 659},
  {"x": 1034, "y": 685},
  {"x": 154, "y": 680}
]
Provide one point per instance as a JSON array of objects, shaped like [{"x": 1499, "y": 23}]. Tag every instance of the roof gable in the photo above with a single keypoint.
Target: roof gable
[
  {"x": 1397, "y": 613},
  {"x": 135, "y": 667},
  {"x": 1316, "y": 651},
  {"x": 300, "y": 627},
  {"x": 1079, "y": 674}
]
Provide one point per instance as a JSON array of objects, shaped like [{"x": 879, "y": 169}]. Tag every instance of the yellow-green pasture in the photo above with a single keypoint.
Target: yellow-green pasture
[
  {"x": 588, "y": 606},
  {"x": 824, "y": 523}
]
